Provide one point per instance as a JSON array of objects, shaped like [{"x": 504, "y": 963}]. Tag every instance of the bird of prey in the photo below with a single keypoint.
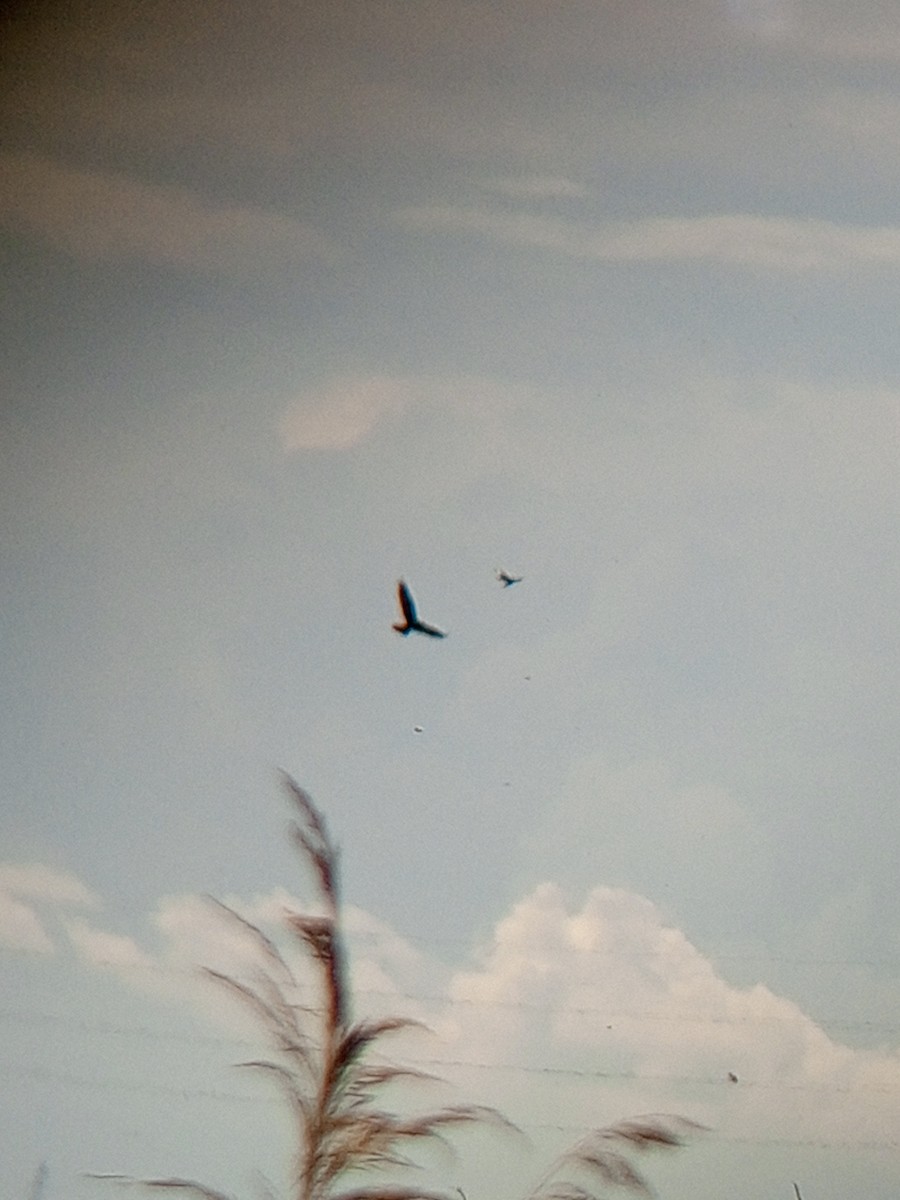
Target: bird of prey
[
  {"x": 506, "y": 579},
  {"x": 411, "y": 622}
]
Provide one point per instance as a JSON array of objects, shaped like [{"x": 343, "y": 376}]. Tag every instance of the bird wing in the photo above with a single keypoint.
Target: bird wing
[
  {"x": 407, "y": 604},
  {"x": 429, "y": 629}
]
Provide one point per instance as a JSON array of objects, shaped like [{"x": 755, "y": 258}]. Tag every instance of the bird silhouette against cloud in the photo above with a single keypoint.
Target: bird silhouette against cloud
[{"x": 411, "y": 622}]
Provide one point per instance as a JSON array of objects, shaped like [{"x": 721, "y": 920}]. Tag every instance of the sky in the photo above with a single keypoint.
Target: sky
[{"x": 303, "y": 298}]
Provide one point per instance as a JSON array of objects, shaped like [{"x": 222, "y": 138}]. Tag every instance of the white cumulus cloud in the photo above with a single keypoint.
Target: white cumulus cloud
[
  {"x": 575, "y": 1013},
  {"x": 612, "y": 995}
]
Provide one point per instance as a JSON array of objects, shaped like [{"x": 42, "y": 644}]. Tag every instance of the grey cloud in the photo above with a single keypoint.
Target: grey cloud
[
  {"x": 737, "y": 240},
  {"x": 102, "y": 216}
]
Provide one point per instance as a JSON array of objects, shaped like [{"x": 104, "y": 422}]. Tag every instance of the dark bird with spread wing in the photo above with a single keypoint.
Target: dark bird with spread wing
[
  {"x": 506, "y": 579},
  {"x": 411, "y": 622}
]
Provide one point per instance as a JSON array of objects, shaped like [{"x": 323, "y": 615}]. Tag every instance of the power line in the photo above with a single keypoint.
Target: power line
[
  {"x": 50, "y": 1075},
  {"x": 546, "y": 1071},
  {"x": 712, "y": 1135},
  {"x": 613, "y": 952},
  {"x": 191, "y": 1094},
  {"x": 603, "y": 1015},
  {"x": 634, "y": 1076}
]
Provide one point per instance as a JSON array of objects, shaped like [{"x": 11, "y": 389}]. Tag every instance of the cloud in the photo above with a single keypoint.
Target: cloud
[
  {"x": 538, "y": 187},
  {"x": 587, "y": 1012},
  {"x": 39, "y": 882},
  {"x": 612, "y": 991},
  {"x": 194, "y": 933},
  {"x": 103, "y": 216},
  {"x": 348, "y": 409},
  {"x": 764, "y": 18},
  {"x": 474, "y": 87},
  {"x": 389, "y": 972},
  {"x": 99, "y": 948},
  {"x": 343, "y": 412},
  {"x": 865, "y": 123},
  {"x": 21, "y": 928},
  {"x": 736, "y": 240}
]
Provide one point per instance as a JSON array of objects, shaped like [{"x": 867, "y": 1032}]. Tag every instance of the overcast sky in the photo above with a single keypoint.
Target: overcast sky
[{"x": 303, "y": 297}]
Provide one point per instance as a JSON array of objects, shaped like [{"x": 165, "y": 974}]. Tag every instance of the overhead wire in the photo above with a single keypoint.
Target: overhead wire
[
  {"x": 557, "y": 1009},
  {"x": 194, "y": 1094},
  {"x": 102, "y": 1029}
]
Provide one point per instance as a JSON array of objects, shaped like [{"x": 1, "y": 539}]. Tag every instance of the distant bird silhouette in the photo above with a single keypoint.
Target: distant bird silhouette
[
  {"x": 732, "y": 1078},
  {"x": 411, "y": 622},
  {"x": 506, "y": 579}
]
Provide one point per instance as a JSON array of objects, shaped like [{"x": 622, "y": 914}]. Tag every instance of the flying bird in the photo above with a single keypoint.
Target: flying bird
[
  {"x": 411, "y": 622},
  {"x": 506, "y": 579}
]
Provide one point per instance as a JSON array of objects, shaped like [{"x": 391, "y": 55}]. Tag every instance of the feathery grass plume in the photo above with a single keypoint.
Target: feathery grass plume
[
  {"x": 603, "y": 1158},
  {"x": 321, "y": 1053}
]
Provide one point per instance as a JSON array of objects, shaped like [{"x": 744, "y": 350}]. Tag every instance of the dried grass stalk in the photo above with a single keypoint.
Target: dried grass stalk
[
  {"x": 321, "y": 1056},
  {"x": 603, "y": 1158}
]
